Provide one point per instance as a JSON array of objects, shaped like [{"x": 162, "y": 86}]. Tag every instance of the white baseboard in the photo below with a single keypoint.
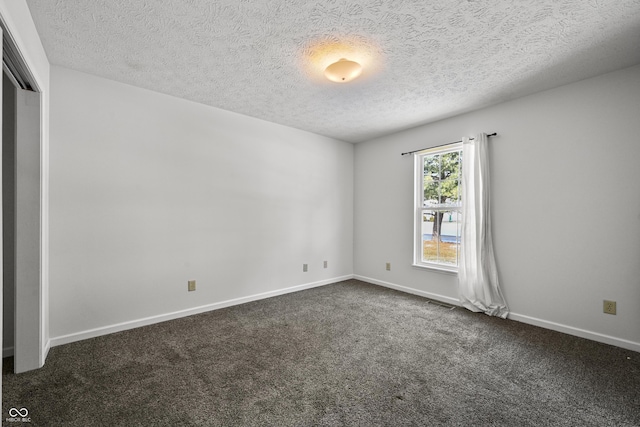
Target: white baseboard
[
  {"x": 407, "y": 290},
  {"x": 65, "y": 339},
  {"x": 582, "y": 333},
  {"x": 105, "y": 330},
  {"x": 558, "y": 327}
]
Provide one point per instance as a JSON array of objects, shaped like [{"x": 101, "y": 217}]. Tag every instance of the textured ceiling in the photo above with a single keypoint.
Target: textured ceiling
[{"x": 423, "y": 60}]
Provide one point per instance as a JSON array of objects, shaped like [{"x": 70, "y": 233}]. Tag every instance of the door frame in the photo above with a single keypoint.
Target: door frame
[{"x": 33, "y": 306}]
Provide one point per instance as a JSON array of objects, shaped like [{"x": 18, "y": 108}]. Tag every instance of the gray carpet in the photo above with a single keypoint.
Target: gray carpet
[{"x": 347, "y": 354}]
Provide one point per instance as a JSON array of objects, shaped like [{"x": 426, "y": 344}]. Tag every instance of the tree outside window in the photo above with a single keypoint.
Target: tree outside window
[{"x": 439, "y": 213}]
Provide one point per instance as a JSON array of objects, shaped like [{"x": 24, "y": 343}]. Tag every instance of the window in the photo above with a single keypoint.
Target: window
[{"x": 438, "y": 207}]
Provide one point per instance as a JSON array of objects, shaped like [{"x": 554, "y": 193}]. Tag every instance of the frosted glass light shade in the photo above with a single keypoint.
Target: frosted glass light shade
[{"x": 343, "y": 71}]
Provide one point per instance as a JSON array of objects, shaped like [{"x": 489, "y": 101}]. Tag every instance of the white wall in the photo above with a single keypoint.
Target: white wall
[
  {"x": 150, "y": 191},
  {"x": 565, "y": 203}
]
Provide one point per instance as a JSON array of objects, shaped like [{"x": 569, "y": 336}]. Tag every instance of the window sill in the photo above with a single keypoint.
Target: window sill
[{"x": 437, "y": 268}]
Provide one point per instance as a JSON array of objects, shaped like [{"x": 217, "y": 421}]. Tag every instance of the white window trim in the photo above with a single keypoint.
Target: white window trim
[
  {"x": 418, "y": 208},
  {"x": 437, "y": 267}
]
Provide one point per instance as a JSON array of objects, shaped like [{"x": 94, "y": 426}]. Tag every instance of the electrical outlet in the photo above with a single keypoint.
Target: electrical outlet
[
  {"x": 388, "y": 266},
  {"x": 326, "y": 264},
  {"x": 191, "y": 285},
  {"x": 305, "y": 267},
  {"x": 609, "y": 307}
]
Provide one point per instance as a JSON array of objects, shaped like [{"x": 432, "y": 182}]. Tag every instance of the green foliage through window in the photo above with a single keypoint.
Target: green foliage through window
[
  {"x": 442, "y": 178},
  {"x": 440, "y": 211}
]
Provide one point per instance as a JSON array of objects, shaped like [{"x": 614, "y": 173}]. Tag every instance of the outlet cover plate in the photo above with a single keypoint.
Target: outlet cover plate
[
  {"x": 609, "y": 307},
  {"x": 191, "y": 285}
]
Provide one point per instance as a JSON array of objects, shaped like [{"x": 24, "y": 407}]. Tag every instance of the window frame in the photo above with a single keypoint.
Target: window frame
[{"x": 419, "y": 207}]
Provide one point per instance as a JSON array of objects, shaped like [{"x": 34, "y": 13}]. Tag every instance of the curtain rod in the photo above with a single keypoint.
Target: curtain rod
[{"x": 441, "y": 145}]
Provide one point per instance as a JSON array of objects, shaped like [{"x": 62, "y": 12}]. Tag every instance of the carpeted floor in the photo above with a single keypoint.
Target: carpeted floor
[{"x": 347, "y": 354}]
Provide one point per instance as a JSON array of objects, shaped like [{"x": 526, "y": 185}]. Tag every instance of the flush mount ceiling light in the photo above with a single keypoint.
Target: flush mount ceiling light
[{"x": 343, "y": 71}]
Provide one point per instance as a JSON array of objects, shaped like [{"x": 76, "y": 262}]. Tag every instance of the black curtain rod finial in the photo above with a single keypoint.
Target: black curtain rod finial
[{"x": 442, "y": 145}]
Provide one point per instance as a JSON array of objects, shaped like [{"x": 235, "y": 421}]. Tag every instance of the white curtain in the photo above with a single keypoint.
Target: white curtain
[{"x": 478, "y": 286}]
